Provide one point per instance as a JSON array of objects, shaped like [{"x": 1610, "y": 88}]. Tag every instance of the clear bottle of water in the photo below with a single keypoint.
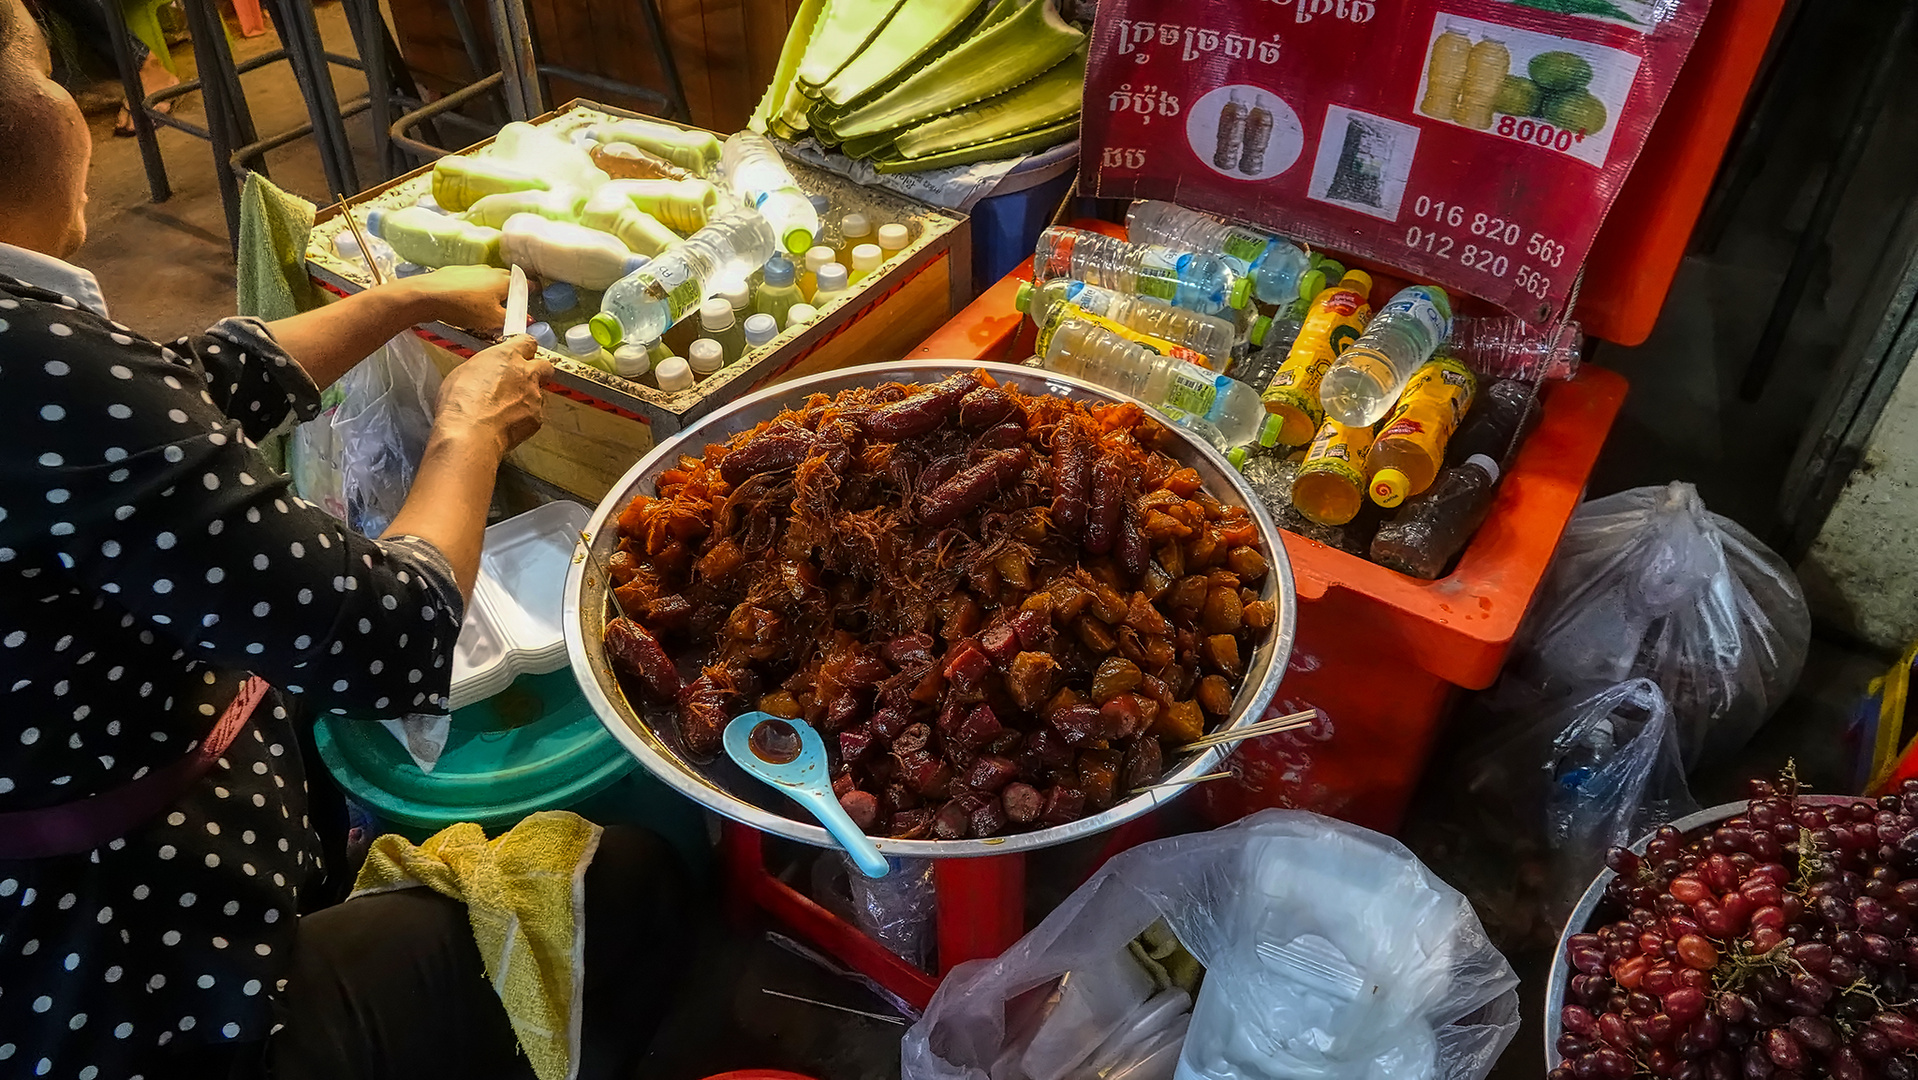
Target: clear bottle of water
[
  {"x": 641, "y": 305},
  {"x": 1203, "y": 334},
  {"x": 1198, "y": 282},
  {"x": 1223, "y": 411},
  {"x": 758, "y": 175},
  {"x": 1510, "y": 348},
  {"x": 1367, "y": 378},
  {"x": 1273, "y": 264},
  {"x": 1268, "y": 355}
]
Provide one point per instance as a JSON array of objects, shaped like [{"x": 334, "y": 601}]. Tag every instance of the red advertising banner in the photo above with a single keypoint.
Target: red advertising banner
[{"x": 1474, "y": 143}]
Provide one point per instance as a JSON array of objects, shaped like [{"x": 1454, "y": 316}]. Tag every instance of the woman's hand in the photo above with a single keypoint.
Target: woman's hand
[
  {"x": 469, "y": 297},
  {"x": 495, "y": 396}
]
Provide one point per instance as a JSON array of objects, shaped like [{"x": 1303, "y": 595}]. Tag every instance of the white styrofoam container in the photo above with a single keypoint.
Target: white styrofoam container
[{"x": 512, "y": 625}]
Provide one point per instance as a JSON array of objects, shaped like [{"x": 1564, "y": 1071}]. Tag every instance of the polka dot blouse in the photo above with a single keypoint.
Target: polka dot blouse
[{"x": 150, "y": 559}]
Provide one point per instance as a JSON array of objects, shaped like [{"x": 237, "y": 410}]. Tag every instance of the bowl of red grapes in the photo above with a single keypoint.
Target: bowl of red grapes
[{"x": 1770, "y": 939}]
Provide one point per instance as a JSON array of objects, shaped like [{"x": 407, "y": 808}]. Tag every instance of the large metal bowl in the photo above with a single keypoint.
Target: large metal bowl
[
  {"x": 1581, "y": 918},
  {"x": 722, "y": 786}
]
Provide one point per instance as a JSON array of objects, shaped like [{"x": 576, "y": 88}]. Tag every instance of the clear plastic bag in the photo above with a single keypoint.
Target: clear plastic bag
[
  {"x": 1648, "y": 583},
  {"x": 1521, "y": 811},
  {"x": 357, "y": 458},
  {"x": 1264, "y": 904}
]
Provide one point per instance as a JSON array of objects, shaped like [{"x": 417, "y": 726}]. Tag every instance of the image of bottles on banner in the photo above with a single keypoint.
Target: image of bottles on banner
[{"x": 1244, "y": 132}]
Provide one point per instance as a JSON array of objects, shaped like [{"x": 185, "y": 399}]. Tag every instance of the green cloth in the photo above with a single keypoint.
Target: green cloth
[
  {"x": 272, "y": 269},
  {"x": 273, "y": 231}
]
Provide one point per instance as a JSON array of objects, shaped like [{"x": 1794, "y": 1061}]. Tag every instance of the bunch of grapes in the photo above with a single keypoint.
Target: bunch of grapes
[{"x": 1780, "y": 945}]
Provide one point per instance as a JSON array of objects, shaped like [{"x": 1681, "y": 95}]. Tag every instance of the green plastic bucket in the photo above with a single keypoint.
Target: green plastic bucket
[{"x": 535, "y": 745}]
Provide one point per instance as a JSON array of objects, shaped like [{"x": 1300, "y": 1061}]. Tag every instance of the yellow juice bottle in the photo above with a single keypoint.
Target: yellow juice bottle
[
  {"x": 1485, "y": 72},
  {"x": 1445, "y": 74},
  {"x": 1337, "y": 318},
  {"x": 816, "y": 257},
  {"x": 1330, "y": 487},
  {"x": 1411, "y": 445}
]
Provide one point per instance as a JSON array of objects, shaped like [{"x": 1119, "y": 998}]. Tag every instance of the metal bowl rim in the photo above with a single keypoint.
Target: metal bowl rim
[{"x": 1246, "y": 709}]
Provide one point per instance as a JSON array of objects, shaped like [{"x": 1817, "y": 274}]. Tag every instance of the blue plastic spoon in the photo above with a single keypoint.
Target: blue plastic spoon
[{"x": 789, "y": 755}]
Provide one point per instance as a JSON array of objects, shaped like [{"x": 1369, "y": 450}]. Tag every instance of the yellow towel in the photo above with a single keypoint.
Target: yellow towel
[{"x": 525, "y": 894}]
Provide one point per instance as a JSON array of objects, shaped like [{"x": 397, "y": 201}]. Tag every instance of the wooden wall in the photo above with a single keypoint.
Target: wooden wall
[{"x": 725, "y": 49}]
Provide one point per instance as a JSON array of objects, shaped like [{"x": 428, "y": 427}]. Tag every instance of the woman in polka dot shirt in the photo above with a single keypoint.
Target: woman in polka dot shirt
[{"x": 157, "y": 577}]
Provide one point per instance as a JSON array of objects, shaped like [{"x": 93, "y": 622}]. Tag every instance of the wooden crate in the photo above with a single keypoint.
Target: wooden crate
[{"x": 598, "y": 424}]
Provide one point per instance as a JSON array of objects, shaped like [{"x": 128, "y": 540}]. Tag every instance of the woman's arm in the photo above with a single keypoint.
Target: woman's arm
[
  {"x": 486, "y": 406},
  {"x": 329, "y": 340}
]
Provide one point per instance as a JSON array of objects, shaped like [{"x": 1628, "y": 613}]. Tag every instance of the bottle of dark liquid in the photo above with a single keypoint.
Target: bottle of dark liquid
[
  {"x": 1225, "y": 151},
  {"x": 1433, "y": 527},
  {"x": 1258, "y": 135}
]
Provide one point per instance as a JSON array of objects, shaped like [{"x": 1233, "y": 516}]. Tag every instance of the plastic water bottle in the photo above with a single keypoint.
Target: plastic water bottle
[
  {"x": 738, "y": 294},
  {"x": 1509, "y": 348},
  {"x": 754, "y": 170},
  {"x": 1201, "y": 283},
  {"x": 1273, "y": 264},
  {"x": 431, "y": 239},
  {"x": 1204, "y": 334},
  {"x": 893, "y": 239},
  {"x": 816, "y": 257},
  {"x": 631, "y": 361},
  {"x": 1223, "y": 411},
  {"x": 865, "y": 259},
  {"x": 611, "y": 212},
  {"x": 800, "y": 315},
  {"x": 760, "y": 329},
  {"x": 778, "y": 292},
  {"x": 562, "y": 251},
  {"x": 854, "y": 229},
  {"x": 643, "y": 304},
  {"x": 706, "y": 357},
  {"x": 683, "y": 206},
  {"x": 673, "y": 375},
  {"x": 1368, "y": 377}
]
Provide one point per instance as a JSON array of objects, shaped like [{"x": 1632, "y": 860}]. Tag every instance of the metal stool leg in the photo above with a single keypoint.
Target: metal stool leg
[
  {"x": 143, "y": 130},
  {"x": 299, "y": 33},
  {"x": 209, "y": 44},
  {"x": 675, "y": 92}
]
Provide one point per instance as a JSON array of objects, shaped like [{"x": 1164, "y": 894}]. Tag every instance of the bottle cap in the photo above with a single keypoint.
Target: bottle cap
[
  {"x": 867, "y": 257},
  {"x": 1389, "y": 487},
  {"x": 820, "y": 204},
  {"x": 1022, "y": 300},
  {"x": 1486, "y": 463},
  {"x": 346, "y": 246},
  {"x": 582, "y": 340},
  {"x": 1358, "y": 281},
  {"x": 716, "y": 314},
  {"x": 832, "y": 278},
  {"x": 606, "y": 329},
  {"x": 1259, "y": 326},
  {"x": 779, "y": 271},
  {"x": 1241, "y": 293},
  {"x": 818, "y": 257},
  {"x": 707, "y": 355},
  {"x": 1270, "y": 428},
  {"x": 854, "y": 225},
  {"x": 559, "y": 297},
  {"x": 736, "y": 292},
  {"x": 543, "y": 333},
  {"x": 760, "y": 329},
  {"x": 893, "y": 237},
  {"x": 1441, "y": 301},
  {"x": 801, "y": 314},
  {"x": 673, "y": 375},
  {"x": 409, "y": 269},
  {"x": 631, "y": 361},
  {"x": 375, "y": 224},
  {"x": 797, "y": 238},
  {"x": 1236, "y": 457}
]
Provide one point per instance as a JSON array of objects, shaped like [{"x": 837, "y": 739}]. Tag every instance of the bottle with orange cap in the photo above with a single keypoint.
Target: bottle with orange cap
[
  {"x": 1336, "y": 319},
  {"x": 1411, "y": 445}
]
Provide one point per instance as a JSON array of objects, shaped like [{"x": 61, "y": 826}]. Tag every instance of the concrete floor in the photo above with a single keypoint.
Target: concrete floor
[{"x": 166, "y": 269}]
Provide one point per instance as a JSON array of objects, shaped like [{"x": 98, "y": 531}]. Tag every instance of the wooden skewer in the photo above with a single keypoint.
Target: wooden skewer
[
  {"x": 1181, "y": 783},
  {"x": 366, "y": 253},
  {"x": 605, "y": 571},
  {"x": 838, "y": 1008},
  {"x": 1273, "y": 726}
]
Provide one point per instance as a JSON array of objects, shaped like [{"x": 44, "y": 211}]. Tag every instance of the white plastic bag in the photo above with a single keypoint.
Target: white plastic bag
[
  {"x": 1648, "y": 583},
  {"x": 1257, "y": 902},
  {"x": 357, "y": 458}
]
